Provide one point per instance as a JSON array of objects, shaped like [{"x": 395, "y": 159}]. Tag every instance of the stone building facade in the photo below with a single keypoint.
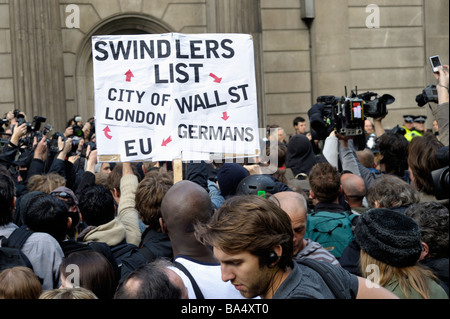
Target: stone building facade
[{"x": 46, "y": 61}]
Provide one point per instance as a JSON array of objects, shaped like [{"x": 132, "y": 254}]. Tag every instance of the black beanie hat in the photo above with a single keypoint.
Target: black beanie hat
[
  {"x": 389, "y": 236},
  {"x": 229, "y": 176}
]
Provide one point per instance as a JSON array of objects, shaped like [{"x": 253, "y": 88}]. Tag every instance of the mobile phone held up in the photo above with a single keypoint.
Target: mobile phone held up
[{"x": 435, "y": 61}]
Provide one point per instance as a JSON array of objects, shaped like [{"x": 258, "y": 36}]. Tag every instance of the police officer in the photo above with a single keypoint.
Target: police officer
[
  {"x": 419, "y": 127},
  {"x": 408, "y": 125}
]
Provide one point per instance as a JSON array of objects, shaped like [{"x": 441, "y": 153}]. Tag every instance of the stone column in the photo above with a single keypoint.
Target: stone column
[
  {"x": 330, "y": 49},
  {"x": 38, "y": 66},
  {"x": 238, "y": 16}
]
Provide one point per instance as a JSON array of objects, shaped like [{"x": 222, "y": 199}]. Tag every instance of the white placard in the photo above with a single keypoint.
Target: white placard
[{"x": 159, "y": 95}]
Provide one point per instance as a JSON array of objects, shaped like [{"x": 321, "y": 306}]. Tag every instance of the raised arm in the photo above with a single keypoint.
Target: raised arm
[{"x": 127, "y": 212}]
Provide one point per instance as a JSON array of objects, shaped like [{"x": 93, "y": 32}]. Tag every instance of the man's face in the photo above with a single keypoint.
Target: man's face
[
  {"x": 368, "y": 127},
  {"x": 409, "y": 125},
  {"x": 297, "y": 214},
  {"x": 435, "y": 126},
  {"x": 300, "y": 128},
  {"x": 281, "y": 136},
  {"x": 244, "y": 272},
  {"x": 298, "y": 221},
  {"x": 419, "y": 126},
  {"x": 106, "y": 168}
]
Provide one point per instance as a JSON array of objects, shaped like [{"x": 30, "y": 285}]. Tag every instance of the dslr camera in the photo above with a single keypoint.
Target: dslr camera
[
  {"x": 53, "y": 146},
  {"x": 32, "y": 130},
  {"x": 32, "y": 126},
  {"x": 77, "y": 131}
]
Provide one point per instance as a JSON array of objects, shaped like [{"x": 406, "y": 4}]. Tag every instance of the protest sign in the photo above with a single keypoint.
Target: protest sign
[{"x": 160, "y": 95}]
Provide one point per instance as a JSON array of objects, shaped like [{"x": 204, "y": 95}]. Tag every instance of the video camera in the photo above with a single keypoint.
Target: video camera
[
  {"x": 375, "y": 106},
  {"x": 441, "y": 175},
  {"x": 346, "y": 114},
  {"x": 429, "y": 94}
]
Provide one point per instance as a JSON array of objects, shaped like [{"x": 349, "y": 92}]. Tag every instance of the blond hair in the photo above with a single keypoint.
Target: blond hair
[
  {"x": 46, "y": 182},
  {"x": 19, "y": 283},
  {"x": 411, "y": 277},
  {"x": 68, "y": 293}
]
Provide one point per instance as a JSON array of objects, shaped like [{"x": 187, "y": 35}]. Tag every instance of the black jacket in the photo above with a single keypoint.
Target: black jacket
[{"x": 153, "y": 245}]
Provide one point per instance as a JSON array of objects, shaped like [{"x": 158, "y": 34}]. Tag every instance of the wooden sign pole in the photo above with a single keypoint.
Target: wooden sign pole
[{"x": 177, "y": 170}]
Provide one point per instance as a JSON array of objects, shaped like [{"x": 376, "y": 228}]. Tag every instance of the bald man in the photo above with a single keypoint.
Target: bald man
[
  {"x": 355, "y": 190},
  {"x": 294, "y": 204},
  {"x": 184, "y": 204}
]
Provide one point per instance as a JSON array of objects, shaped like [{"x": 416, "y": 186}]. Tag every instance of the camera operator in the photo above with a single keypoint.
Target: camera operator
[
  {"x": 441, "y": 111},
  {"x": 10, "y": 150},
  {"x": 392, "y": 147}
]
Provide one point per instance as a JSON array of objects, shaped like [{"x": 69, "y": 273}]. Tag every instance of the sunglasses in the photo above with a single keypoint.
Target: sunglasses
[{"x": 64, "y": 195}]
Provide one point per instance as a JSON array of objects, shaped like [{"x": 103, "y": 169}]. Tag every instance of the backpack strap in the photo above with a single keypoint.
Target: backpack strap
[
  {"x": 325, "y": 274},
  {"x": 198, "y": 292},
  {"x": 17, "y": 238}
]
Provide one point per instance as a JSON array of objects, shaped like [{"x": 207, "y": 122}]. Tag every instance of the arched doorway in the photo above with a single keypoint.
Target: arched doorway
[{"x": 115, "y": 25}]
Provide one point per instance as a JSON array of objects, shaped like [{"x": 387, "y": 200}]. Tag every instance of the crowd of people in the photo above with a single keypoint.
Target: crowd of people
[{"x": 330, "y": 222}]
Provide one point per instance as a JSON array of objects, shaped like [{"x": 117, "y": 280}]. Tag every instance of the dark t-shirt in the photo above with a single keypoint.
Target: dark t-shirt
[{"x": 305, "y": 283}]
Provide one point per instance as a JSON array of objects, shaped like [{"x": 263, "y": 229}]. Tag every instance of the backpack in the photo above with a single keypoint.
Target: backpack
[
  {"x": 11, "y": 254},
  {"x": 335, "y": 286},
  {"x": 333, "y": 230},
  {"x": 158, "y": 247}
]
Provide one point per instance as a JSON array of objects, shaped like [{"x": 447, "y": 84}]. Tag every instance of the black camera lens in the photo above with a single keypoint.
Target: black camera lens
[{"x": 77, "y": 131}]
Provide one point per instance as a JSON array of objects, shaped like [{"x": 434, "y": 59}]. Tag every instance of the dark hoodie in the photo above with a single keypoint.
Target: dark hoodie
[{"x": 300, "y": 157}]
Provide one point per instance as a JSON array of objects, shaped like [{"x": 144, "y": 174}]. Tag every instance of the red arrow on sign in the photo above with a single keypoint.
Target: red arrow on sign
[
  {"x": 216, "y": 78},
  {"x": 166, "y": 141},
  {"x": 129, "y": 75},
  {"x": 225, "y": 116},
  {"x": 107, "y": 130}
]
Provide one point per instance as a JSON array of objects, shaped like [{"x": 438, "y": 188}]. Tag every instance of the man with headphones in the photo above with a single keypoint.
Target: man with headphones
[{"x": 253, "y": 240}]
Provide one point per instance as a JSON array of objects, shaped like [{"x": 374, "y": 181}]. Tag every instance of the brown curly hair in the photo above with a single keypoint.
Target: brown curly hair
[{"x": 149, "y": 195}]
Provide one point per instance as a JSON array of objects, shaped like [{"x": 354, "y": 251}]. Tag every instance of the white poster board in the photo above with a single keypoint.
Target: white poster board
[{"x": 160, "y": 95}]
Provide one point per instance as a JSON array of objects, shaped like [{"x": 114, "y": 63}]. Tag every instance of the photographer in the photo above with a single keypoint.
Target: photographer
[
  {"x": 10, "y": 150},
  {"x": 393, "y": 149},
  {"x": 441, "y": 111}
]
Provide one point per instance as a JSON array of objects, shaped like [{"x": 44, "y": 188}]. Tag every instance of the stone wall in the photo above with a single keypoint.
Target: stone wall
[
  {"x": 46, "y": 67},
  {"x": 339, "y": 50},
  {"x": 6, "y": 74}
]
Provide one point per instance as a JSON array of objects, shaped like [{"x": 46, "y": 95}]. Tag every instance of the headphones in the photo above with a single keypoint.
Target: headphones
[{"x": 271, "y": 258}]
